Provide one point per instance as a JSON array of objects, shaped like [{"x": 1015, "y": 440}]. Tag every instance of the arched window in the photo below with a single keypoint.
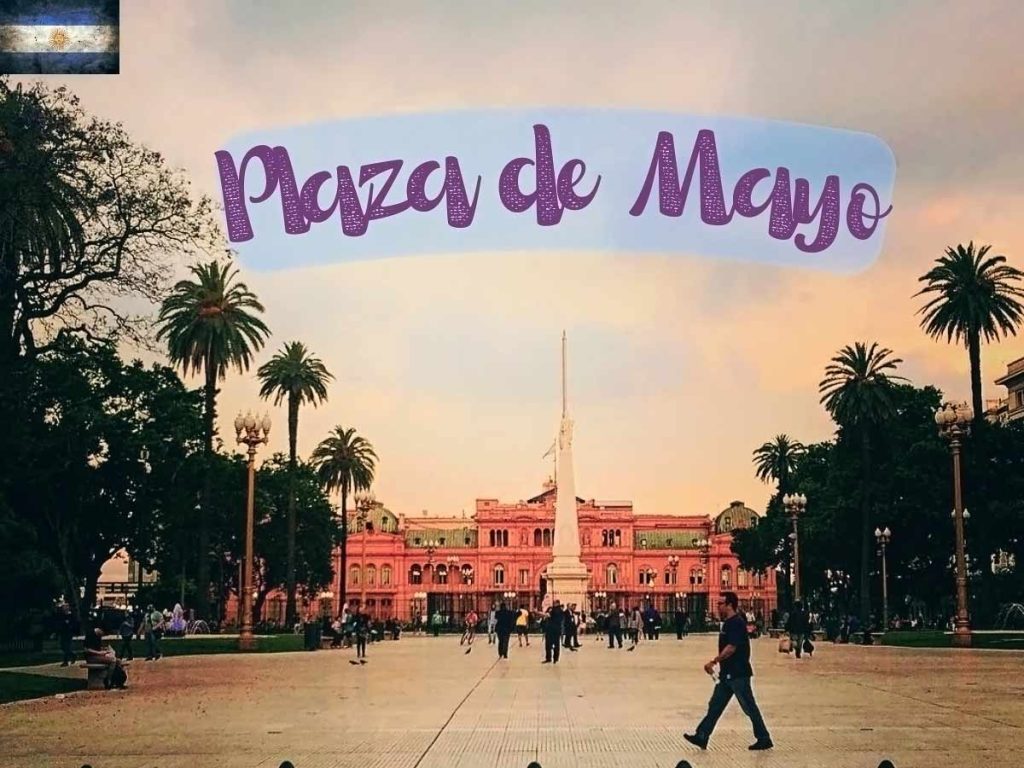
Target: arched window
[
  {"x": 371, "y": 575},
  {"x": 499, "y": 574},
  {"x": 353, "y": 575},
  {"x": 758, "y": 580},
  {"x": 385, "y": 575},
  {"x": 604, "y": 538},
  {"x": 696, "y": 576},
  {"x": 547, "y": 537},
  {"x": 726, "y": 577},
  {"x": 612, "y": 574},
  {"x": 491, "y": 537},
  {"x": 742, "y": 578},
  {"x": 441, "y": 574},
  {"x": 586, "y": 537},
  {"x": 467, "y": 573},
  {"x": 727, "y": 523},
  {"x": 536, "y": 537},
  {"x": 504, "y": 538},
  {"x": 618, "y": 537},
  {"x": 415, "y": 575}
]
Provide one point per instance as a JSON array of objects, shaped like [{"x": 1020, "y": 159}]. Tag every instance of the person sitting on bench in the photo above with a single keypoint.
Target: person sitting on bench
[{"x": 97, "y": 653}]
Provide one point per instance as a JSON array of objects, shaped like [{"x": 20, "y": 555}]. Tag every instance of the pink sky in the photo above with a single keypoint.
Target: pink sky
[{"x": 679, "y": 367}]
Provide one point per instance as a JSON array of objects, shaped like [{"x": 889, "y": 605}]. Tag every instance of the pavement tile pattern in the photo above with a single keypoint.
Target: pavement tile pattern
[{"x": 422, "y": 703}]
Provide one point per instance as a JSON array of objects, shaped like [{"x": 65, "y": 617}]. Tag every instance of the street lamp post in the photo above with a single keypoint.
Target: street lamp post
[
  {"x": 795, "y": 504},
  {"x": 365, "y": 502},
  {"x": 453, "y": 564},
  {"x": 249, "y": 432},
  {"x": 704, "y": 547},
  {"x": 954, "y": 422},
  {"x": 883, "y": 537}
]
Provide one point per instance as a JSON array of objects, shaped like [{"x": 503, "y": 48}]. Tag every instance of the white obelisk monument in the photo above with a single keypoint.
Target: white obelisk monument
[{"x": 566, "y": 575}]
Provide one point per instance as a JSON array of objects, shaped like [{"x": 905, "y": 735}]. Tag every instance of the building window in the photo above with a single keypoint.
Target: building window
[
  {"x": 547, "y": 537},
  {"x": 383, "y": 525},
  {"x": 536, "y": 537},
  {"x": 416, "y": 542},
  {"x": 415, "y": 575},
  {"x": 726, "y": 577},
  {"x": 758, "y": 580},
  {"x": 491, "y": 537},
  {"x": 441, "y": 575},
  {"x": 742, "y": 578},
  {"x": 353, "y": 575},
  {"x": 385, "y": 575},
  {"x": 696, "y": 576},
  {"x": 440, "y": 542},
  {"x": 504, "y": 538},
  {"x": 524, "y": 577},
  {"x": 728, "y": 523},
  {"x": 499, "y": 574},
  {"x": 618, "y": 537},
  {"x": 586, "y": 537},
  {"x": 371, "y": 575},
  {"x": 604, "y": 538},
  {"x": 466, "y": 541},
  {"x": 612, "y": 574}
]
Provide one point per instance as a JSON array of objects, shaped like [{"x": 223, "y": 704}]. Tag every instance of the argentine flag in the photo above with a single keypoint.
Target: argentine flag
[{"x": 53, "y": 38}]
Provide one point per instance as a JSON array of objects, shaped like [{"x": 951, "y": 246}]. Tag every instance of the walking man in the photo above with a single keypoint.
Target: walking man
[
  {"x": 553, "y": 627},
  {"x": 680, "y": 622},
  {"x": 154, "y": 623},
  {"x": 127, "y": 632},
  {"x": 505, "y": 621},
  {"x": 734, "y": 678},
  {"x": 523, "y": 626},
  {"x": 799, "y": 627},
  {"x": 614, "y": 626},
  {"x": 492, "y": 623},
  {"x": 66, "y": 632}
]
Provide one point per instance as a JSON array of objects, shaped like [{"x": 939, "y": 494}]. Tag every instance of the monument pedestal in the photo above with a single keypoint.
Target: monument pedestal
[{"x": 568, "y": 584}]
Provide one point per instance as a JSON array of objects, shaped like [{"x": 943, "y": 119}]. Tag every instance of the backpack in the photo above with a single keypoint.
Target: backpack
[{"x": 118, "y": 677}]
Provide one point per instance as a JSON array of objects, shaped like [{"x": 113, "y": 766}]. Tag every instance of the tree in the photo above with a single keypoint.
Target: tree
[
  {"x": 210, "y": 325},
  {"x": 776, "y": 461},
  {"x": 857, "y": 392},
  {"x": 344, "y": 462},
  {"x": 85, "y": 481},
  {"x": 88, "y": 218},
  {"x": 293, "y": 373},
  {"x": 973, "y": 295}
]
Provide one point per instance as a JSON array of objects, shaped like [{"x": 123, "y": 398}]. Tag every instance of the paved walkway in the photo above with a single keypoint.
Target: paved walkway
[{"x": 422, "y": 703}]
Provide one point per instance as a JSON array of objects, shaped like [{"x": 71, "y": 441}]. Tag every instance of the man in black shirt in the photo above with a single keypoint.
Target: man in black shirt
[
  {"x": 505, "y": 622},
  {"x": 553, "y": 627},
  {"x": 735, "y": 673}
]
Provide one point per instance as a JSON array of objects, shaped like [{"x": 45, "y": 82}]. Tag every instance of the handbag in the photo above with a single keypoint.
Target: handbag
[{"x": 808, "y": 646}]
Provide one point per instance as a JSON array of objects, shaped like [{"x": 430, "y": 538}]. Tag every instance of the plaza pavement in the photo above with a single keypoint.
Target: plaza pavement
[{"x": 421, "y": 703}]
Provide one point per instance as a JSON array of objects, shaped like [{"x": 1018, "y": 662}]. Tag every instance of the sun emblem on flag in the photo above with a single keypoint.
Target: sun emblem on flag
[{"x": 58, "y": 40}]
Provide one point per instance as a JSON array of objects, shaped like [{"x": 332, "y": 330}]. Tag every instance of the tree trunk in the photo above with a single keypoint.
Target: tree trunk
[
  {"x": 203, "y": 563},
  {"x": 974, "y": 352},
  {"x": 293, "y": 434},
  {"x": 91, "y": 582},
  {"x": 865, "y": 528},
  {"x": 342, "y": 580}
]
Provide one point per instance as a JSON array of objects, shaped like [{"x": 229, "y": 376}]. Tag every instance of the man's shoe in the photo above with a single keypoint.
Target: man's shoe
[
  {"x": 696, "y": 739},
  {"x": 759, "y": 745},
  {"x": 546, "y": 661}
]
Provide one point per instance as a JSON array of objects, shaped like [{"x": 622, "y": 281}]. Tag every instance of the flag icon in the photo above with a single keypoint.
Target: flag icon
[{"x": 47, "y": 37}]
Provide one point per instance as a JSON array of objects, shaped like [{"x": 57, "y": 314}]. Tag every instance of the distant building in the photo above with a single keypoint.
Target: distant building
[
  {"x": 119, "y": 581},
  {"x": 1012, "y": 408}
]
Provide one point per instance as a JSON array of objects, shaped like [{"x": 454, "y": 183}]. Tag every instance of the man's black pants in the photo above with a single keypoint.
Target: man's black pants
[
  {"x": 720, "y": 698},
  {"x": 126, "y": 648},
  {"x": 615, "y": 633},
  {"x": 552, "y": 648},
  {"x": 503, "y": 638}
]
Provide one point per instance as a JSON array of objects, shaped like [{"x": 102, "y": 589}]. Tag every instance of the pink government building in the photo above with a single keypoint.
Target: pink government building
[{"x": 403, "y": 567}]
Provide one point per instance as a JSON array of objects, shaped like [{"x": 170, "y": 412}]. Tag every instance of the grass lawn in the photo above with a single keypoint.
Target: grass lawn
[
  {"x": 171, "y": 646},
  {"x": 936, "y": 639},
  {"x": 15, "y": 686}
]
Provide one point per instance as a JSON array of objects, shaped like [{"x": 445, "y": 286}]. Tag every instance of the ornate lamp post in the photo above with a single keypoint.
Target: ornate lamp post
[
  {"x": 673, "y": 566},
  {"x": 795, "y": 504},
  {"x": 452, "y": 567},
  {"x": 704, "y": 547},
  {"x": 365, "y": 502},
  {"x": 599, "y": 597},
  {"x": 954, "y": 422},
  {"x": 883, "y": 537},
  {"x": 421, "y": 600},
  {"x": 249, "y": 432}
]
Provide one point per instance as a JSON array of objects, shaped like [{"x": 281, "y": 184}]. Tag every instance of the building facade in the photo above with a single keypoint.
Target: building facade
[
  {"x": 1012, "y": 408},
  {"x": 404, "y": 567}
]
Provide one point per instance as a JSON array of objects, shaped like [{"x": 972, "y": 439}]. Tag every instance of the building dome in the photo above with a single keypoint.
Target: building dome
[{"x": 737, "y": 515}]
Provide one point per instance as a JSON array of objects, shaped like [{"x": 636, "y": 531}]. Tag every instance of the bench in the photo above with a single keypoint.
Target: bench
[{"x": 96, "y": 673}]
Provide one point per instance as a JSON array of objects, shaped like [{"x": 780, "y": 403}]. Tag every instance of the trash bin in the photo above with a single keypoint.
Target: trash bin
[{"x": 311, "y": 636}]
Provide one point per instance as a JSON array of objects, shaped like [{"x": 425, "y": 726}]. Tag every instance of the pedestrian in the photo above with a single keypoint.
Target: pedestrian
[
  {"x": 635, "y": 623},
  {"x": 154, "y": 623},
  {"x": 657, "y": 623},
  {"x": 577, "y": 622},
  {"x": 492, "y": 624},
  {"x": 66, "y": 627},
  {"x": 732, "y": 678},
  {"x": 523, "y": 626},
  {"x": 436, "y": 623},
  {"x": 798, "y": 627},
  {"x": 127, "y": 632},
  {"x": 467, "y": 634},
  {"x": 504, "y": 623},
  {"x": 680, "y": 622},
  {"x": 553, "y": 629},
  {"x": 362, "y": 632},
  {"x": 614, "y": 626},
  {"x": 568, "y": 627}
]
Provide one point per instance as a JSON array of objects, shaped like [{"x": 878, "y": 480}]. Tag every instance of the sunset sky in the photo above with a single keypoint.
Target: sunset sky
[{"x": 679, "y": 366}]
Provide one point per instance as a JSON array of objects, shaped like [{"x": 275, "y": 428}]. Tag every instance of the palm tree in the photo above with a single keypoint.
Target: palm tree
[
  {"x": 857, "y": 392},
  {"x": 344, "y": 462},
  {"x": 210, "y": 325},
  {"x": 777, "y": 459},
  {"x": 295, "y": 374},
  {"x": 974, "y": 296}
]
